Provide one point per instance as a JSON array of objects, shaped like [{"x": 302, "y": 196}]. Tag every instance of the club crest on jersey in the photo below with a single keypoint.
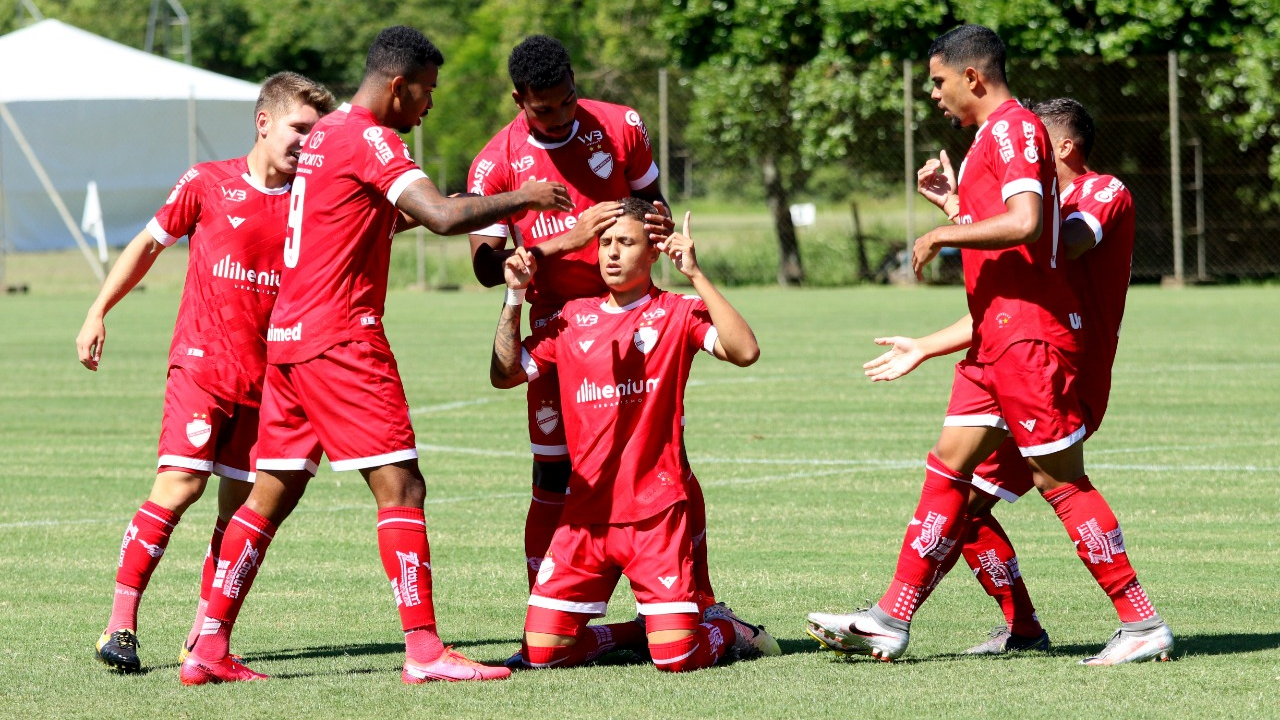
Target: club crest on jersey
[
  {"x": 601, "y": 163},
  {"x": 198, "y": 430},
  {"x": 548, "y": 419},
  {"x": 645, "y": 339}
]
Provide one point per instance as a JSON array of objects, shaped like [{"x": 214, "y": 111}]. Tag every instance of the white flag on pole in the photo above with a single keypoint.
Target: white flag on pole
[{"x": 92, "y": 220}]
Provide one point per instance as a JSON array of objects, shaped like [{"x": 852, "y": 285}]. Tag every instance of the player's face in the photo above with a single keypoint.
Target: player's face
[
  {"x": 412, "y": 99},
  {"x": 550, "y": 112},
  {"x": 626, "y": 255},
  {"x": 951, "y": 92},
  {"x": 284, "y": 135}
]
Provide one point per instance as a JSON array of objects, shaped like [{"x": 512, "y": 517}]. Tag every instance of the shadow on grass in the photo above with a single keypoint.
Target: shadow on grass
[{"x": 362, "y": 649}]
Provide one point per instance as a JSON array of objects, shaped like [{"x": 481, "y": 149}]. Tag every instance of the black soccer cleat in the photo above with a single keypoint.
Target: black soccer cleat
[{"x": 119, "y": 650}]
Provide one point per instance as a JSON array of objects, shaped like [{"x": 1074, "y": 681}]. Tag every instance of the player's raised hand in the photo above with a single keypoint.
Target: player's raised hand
[
  {"x": 903, "y": 356},
  {"x": 936, "y": 180},
  {"x": 542, "y": 195},
  {"x": 90, "y": 341},
  {"x": 679, "y": 247},
  {"x": 661, "y": 225},
  {"x": 593, "y": 221},
  {"x": 518, "y": 268}
]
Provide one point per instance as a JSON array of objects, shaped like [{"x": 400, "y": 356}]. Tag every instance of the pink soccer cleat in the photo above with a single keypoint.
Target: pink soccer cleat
[
  {"x": 451, "y": 667},
  {"x": 198, "y": 671}
]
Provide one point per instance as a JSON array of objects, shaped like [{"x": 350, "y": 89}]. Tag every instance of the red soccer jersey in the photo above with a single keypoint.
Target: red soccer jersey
[
  {"x": 236, "y": 228},
  {"x": 1100, "y": 277},
  {"x": 341, "y": 220},
  {"x": 622, "y": 376},
  {"x": 1018, "y": 293},
  {"x": 606, "y": 157}
]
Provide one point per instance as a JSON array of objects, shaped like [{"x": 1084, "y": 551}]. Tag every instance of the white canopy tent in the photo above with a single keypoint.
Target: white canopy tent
[{"x": 76, "y": 107}]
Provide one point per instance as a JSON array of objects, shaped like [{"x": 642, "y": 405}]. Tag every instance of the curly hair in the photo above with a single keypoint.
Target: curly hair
[
  {"x": 401, "y": 51},
  {"x": 538, "y": 63}
]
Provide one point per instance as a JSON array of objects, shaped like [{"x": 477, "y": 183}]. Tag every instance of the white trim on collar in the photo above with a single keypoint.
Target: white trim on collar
[
  {"x": 264, "y": 189},
  {"x": 552, "y": 146},
  {"x": 606, "y": 307}
]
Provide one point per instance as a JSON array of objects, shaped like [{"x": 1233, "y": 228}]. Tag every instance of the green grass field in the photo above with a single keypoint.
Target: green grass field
[{"x": 810, "y": 473}]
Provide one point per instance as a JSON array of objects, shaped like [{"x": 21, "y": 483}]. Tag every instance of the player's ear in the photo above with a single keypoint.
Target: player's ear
[
  {"x": 262, "y": 120},
  {"x": 518, "y": 98}
]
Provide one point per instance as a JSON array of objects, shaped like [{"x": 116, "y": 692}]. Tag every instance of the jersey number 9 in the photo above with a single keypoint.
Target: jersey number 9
[{"x": 293, "y": 233}]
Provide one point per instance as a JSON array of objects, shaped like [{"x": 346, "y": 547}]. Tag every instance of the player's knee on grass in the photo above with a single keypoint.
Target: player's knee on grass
[
  {"x": 677, "y": 643},
  {"x": 176, "y": 489},
  {"x": 552, "y": 475}
]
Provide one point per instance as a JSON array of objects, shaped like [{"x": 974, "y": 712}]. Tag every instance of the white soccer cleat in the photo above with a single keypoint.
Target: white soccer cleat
[
  {"x": 1135, "y": 642},
  {"x": 861, "y": 633},
  {"x": 749, "y": 640}
]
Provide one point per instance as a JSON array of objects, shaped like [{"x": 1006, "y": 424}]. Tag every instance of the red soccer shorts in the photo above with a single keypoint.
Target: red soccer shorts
[
  {"x": 1029, "y": 391},
  {"x": 585, "y": 562},
  {"x": 204, "y": 433},
  {"x": 348, "y": 402},
  {"x": 546, "y": 426}
]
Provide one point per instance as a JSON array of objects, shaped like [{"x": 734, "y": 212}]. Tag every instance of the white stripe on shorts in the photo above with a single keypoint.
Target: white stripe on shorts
[
  {"x": 668, "y": 608},
  {"x": 290, "y": 464},
  {"x": 185, "y": 462},
  {"x": 231, "y": 473},
  {"x": 374, "y": 461},
  {"x": 1053, "y": 447},
  {"x": 595, "y": 609},
  {"x": 994, "y": 421}
]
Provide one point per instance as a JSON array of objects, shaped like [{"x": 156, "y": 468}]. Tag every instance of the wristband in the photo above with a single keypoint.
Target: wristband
[{"x": 515, "y": 297}]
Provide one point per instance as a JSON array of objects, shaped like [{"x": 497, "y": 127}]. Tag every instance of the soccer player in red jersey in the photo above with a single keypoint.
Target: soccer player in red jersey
[
  {"x": 624, "y": 358},
  {"x": 1097, "y": 228},
  {"x": 1020, "y": 377},
  {"x": 601, "y": 152},
  {"x": 234, "y": 213},
  {"x": 332, "y": 385}
]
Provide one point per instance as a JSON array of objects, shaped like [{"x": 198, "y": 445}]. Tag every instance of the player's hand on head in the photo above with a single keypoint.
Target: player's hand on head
[
  {"x": 661, "y": 225},
  {"x": 903, "y": 356},
  {"x": 679, "y": 247},
  {"x": 542, "y": 195},
  {"x": 90, "y": 341},
  {"x": 593, "y": 221},
  {"x": 518, "y": 268}
]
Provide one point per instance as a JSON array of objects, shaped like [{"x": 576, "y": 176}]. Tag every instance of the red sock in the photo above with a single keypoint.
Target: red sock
[
  {"x": 953, "y": 556},
  {"x": 539, "y": 526},
  {"x": 1100, "y": 544},
  {"x": 593, "y": 641},
  {"x": 244, "y": 547},
  {"x": 930, "y": 537},
  {"x": 701, "y": 650},
  {"x": 140, "y": 551},
  {"x": 698, "y": 529},
  {"x": 990, "y": 555},
  {"x": 406, "y": 558},
  {"x": 206, "y": 578}
]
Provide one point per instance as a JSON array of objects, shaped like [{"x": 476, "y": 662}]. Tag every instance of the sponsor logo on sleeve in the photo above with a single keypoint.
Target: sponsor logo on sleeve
[
  {"x": 177, "y": 189},
  {"x": 1001, "y": 133},
  {"x": 381, "y": 150},
  {"x": 1108, "y": 193},
  {"x": 483, "y": 168},
  {"x": 1029, "y": 153},
  {"x": 633, "y": 119}
]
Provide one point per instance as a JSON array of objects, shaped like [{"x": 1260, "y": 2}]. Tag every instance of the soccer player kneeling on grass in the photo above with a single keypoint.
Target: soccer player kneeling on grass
[{"x": 623, "y": 360}]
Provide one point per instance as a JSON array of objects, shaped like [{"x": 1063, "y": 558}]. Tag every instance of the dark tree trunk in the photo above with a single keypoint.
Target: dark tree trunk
[{"x": 790, "y": 270}]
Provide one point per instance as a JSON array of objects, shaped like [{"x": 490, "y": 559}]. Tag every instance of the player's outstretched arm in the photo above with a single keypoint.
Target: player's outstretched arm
[
  {"x": 423, "y": 202},
  {"x": 1076, "y": 238},
  {"x": 504, "y": 366},
  {"x": 736, "y": 342},
  {"x": 138, "y": 257},
  {"x": 906, "y": 354}
]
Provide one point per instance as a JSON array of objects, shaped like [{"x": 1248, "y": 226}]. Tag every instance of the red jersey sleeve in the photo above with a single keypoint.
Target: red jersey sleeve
[
  {"x": 491, "y": 175},
  {"x": 641, "y": 170},
  {"x": 181, "y": 211},
  {"x": 538, "y": 351},
  {"x": 700, "y": 331},
  {"x": 1104, "y": 208},
  {"x": 387, "y": 163},
  {"x": 1019, "y": 145}
]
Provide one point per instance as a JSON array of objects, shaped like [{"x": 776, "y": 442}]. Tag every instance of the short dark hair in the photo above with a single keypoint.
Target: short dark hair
[
  {"x": 281, "y": 90},
  {"x": 401, "y": 51},
  {"x": 971, "y": 46},
  {"x": 1069, "y": 116},
  {"x": 538, "y": 63},
  {"x": 636, "y": 209}
]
